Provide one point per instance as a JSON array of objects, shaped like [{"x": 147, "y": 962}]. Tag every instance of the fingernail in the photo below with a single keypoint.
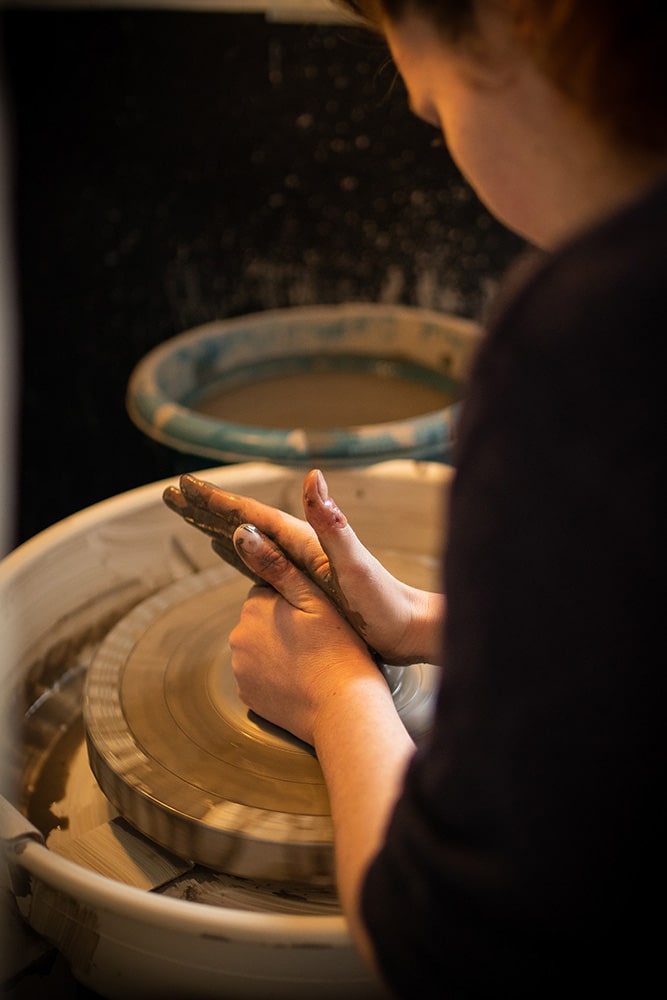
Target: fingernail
[
  {"x": 322, "y": 487},
  {"x": 248, "y": 538},
  {"x": 336, "y": 515}
]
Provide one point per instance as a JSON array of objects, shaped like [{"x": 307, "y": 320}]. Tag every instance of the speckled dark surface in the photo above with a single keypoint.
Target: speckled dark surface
[{"x": 173, "y": 168}]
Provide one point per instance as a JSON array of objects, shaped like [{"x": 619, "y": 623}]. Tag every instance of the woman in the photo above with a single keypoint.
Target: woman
[{"x": 514, "y": 852}]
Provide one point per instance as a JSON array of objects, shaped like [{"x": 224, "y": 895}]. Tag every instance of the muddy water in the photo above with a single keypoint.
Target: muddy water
[{"x": 318, "y": 400}]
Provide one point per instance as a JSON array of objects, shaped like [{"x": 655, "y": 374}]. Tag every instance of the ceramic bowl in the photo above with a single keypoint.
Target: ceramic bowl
[{"x": 338, "y": 385}]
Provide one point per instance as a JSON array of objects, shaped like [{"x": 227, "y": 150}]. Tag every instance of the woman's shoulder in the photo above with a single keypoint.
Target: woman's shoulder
[
  {"x": 609, "y": 278},
  {"x": 574, "y": 351}
]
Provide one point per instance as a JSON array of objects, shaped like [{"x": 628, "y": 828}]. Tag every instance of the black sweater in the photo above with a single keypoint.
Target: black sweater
[{"x": 528, "y": 847}]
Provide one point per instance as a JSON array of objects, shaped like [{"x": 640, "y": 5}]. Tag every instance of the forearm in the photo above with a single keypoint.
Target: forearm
[{"x": 363, "y": 749}]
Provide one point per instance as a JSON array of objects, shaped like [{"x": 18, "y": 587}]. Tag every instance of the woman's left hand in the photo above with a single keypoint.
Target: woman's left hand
[
  {"x": 292, "y": 650},
  {"x": 299, "y": 664}
]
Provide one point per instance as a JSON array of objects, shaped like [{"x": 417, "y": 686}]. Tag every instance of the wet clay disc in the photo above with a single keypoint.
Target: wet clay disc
[{"x": 182, "y": 759}]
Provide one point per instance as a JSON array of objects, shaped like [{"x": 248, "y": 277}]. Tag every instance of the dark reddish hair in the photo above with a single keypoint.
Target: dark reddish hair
[{"x": 607, "y": 56}]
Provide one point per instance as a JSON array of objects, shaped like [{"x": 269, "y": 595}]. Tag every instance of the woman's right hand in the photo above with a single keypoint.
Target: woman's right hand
[{"x": 401, "y": 623}]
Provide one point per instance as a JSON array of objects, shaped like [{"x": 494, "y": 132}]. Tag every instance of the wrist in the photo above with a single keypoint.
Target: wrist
[
  {"x": 424, "y": 637},
  {"x": 348, "y": 707}
]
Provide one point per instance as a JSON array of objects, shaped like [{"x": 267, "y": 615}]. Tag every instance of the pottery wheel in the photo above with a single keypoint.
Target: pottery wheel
[{"x": 184, "y": 761}]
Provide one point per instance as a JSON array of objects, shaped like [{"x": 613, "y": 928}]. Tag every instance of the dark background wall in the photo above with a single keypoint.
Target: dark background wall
[{"x": 172, "y": 168}]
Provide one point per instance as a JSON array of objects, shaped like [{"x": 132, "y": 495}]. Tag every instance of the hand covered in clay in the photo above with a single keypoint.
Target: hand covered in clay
[
  {"x": 401, "y": 623},
  {"x": 292, "y": 650}
]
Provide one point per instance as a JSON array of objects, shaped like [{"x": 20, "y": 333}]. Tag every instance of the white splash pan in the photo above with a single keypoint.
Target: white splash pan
[{"x": 121, "y": 941}]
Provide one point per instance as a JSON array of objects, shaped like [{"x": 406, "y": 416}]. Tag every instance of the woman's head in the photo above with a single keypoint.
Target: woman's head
[
  {"x": 554, "y": 110},
  {"x": 455, "y": 18},
  {"x": 607, "y": 56}
]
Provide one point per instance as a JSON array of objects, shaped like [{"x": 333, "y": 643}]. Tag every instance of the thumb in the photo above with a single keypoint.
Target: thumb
[
  {"x": 269, "y": 562},
  {"x": 335, "y": 534}
]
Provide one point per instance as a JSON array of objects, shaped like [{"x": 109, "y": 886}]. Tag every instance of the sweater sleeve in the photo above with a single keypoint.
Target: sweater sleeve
[{"x": 519, "y": 855}]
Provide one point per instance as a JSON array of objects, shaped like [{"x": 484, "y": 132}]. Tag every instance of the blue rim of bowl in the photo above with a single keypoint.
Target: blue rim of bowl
[{"x": 427, "y": 436}]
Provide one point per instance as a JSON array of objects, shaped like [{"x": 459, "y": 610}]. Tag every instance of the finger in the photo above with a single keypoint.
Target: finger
[
  {"x": 173, "y": 498},
  {"x": 177, "y": 501},
  {"x": 335, "y": 534},
  {"x": 264, "y": 558},
  {"x": 224, "y": 548},
  {"x": 205, "y": 494},
  {"x": 292, "y": 534},
  {"x": 233, "y": 506}
]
